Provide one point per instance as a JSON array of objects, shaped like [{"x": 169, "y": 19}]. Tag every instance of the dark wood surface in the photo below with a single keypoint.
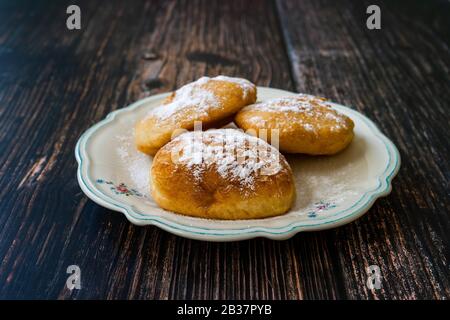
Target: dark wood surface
[{"x": 55, "y": 83}]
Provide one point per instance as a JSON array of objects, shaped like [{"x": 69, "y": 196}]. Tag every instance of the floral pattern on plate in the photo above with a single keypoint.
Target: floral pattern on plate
[
  {"x": 120, "y": 188},
  {"x": 321, "y": 206}
]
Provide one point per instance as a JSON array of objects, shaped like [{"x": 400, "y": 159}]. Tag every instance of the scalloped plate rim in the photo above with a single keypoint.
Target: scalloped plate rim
[{"x": 279, "y": 233}]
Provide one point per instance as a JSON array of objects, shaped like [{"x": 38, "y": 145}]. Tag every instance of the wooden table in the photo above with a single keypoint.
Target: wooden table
[{"x": 55, "y": 83}]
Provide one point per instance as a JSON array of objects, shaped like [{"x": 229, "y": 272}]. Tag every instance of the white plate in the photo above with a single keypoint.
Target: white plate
[{"x": 331, "y": 191}]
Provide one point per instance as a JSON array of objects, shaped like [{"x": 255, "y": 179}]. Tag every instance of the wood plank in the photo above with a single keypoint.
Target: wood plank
[
  {"x": 399, "y": 77},
  {"x": 56, "y": 83}
]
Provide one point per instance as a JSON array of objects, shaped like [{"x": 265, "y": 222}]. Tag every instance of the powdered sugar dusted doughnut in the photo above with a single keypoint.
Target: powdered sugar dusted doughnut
[
  {"x": 222, "y": 174},
  {"x": 213, "y": 101},
  {"x": 303, "y": 123}
]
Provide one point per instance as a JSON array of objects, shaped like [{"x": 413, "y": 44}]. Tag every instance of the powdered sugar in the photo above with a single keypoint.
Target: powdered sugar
[
  {"x": 298, "y": 103},
  {"x": 314, "y": 109},
  {"x": 308, "y": 127},
  {"x": 137, "y": 163},
  {"x": 190, "y": 95},
  {"x": 245, "y": 85},
  {"x": 236, "y": 156},
  {"x": 194, "y": 95}
]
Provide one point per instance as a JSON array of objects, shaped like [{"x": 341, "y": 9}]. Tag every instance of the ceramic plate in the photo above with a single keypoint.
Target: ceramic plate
[{"x": 331, "y": 191}]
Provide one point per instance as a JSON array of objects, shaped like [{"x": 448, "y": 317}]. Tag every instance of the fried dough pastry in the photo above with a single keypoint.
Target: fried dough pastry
[
  {"x": 222, "y": 174},
  {"x": 213, "y": 101},
  {"x": 306, "y": 124}
]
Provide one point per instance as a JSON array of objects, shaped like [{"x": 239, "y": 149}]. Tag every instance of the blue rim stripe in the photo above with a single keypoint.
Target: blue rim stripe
[{"x": 371, "y": 195}]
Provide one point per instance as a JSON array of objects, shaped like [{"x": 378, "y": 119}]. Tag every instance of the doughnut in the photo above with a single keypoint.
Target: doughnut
[
  {"x": 222, "y": 174},
  {"x": 305, "y": 123},
  {"x": 213, "y": 102}
]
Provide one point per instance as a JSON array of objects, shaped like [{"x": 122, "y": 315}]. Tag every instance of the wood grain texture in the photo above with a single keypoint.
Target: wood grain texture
[
  {"x": 399, "y": 77},
  {"x": 55, "y": 83}
]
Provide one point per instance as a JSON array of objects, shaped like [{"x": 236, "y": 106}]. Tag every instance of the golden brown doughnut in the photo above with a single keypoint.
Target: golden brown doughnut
[
  {"x": 306, "y": 124},
  {"x": 213, "y": 101},
  {"x": 222, "y": 174}
]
